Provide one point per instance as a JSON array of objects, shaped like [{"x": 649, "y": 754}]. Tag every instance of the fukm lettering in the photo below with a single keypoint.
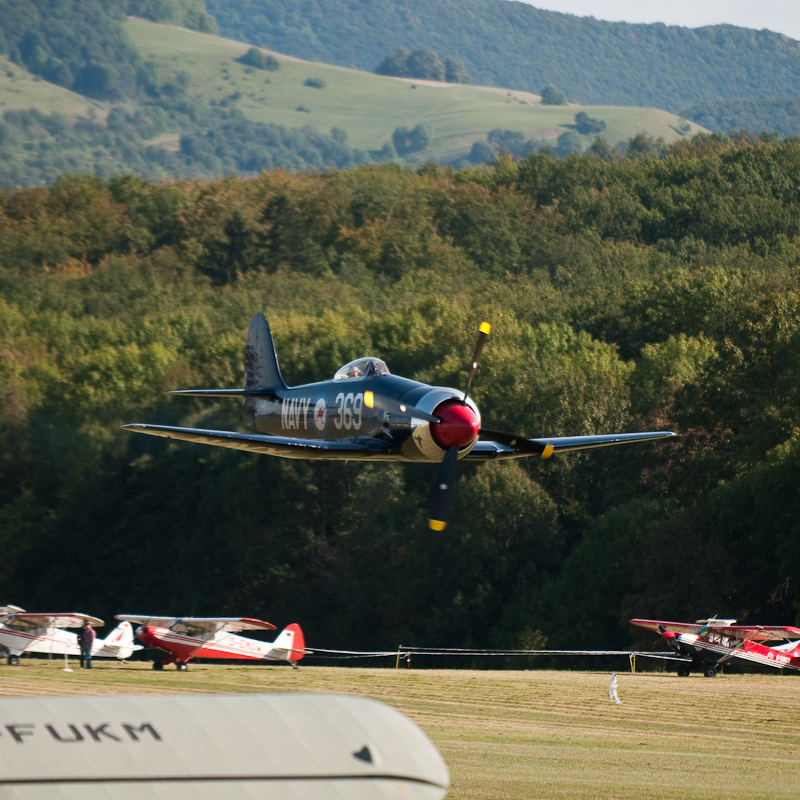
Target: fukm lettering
[{"x": 71, "y": 733}]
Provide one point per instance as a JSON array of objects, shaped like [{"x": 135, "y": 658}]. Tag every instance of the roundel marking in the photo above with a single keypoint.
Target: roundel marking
[{"x": 320, "y": 414}]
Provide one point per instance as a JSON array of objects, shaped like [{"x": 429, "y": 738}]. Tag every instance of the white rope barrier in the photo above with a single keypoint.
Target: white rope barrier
[{"x": 403, "y": 652}]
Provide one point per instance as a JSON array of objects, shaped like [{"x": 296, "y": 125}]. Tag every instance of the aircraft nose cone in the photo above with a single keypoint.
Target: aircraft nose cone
[
  {"x": 459, "y": 425},
  {"x": 145, "y": 635}
]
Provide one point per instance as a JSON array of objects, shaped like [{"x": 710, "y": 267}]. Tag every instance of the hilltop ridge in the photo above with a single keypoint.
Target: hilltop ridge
[{"x": 513, "y": 44}]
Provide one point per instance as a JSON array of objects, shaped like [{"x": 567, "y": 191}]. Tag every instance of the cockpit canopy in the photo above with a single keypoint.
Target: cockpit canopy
[{"x": 362, "y": 368}]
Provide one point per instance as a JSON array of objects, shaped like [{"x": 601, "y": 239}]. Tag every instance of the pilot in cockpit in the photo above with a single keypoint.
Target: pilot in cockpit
[{"x": 362, "y": 368}]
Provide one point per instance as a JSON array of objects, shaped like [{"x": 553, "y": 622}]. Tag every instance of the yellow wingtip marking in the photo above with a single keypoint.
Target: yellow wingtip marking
[
  {"x": 437, "y": 525},
  {"x": 485, "y": 328},
  {"x": 548, "y": 451},
  {"x": 369, "y": 399}
]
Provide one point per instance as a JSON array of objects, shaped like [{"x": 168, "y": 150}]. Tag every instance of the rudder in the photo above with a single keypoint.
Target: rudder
[
  {"x": 290, "y": 644},
  {"x": 261, "y": 370},
  {"x": 119, "y": 643}
]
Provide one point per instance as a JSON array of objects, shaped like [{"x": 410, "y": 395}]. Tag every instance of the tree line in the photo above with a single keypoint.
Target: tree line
[{"x": 624, "y": 295}]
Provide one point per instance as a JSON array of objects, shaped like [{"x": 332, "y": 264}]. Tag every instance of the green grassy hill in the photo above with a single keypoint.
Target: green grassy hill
[
  {"x": 369, "y": 107},
  {"x": 208, "y": 95},
  {"x": 20, "y": 90}
]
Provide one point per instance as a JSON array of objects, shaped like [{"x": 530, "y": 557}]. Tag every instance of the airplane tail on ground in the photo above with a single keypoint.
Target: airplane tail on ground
[
  {"x": 290, "y": 644},
  {"x": 119, "y": 643}
]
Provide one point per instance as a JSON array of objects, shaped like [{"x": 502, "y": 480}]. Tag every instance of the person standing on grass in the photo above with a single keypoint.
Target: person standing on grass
[{"x": 86, "y": 637}]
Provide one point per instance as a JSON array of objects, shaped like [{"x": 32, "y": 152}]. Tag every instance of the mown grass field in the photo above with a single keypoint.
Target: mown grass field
[{"x": 519, "y": 735}]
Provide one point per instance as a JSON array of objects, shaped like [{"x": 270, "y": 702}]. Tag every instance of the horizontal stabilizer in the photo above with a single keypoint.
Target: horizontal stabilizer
[{"x": 266, "y": 394}]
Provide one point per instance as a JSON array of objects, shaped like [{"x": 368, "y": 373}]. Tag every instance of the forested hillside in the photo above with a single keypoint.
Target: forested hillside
[
  {"x": 80, "y": 44},
  {"x": 209, "y": 107},
  {"x": 512, "y": 44},
  {"x": 630, "y": 295},
  {"x": 756, "y": 114}
]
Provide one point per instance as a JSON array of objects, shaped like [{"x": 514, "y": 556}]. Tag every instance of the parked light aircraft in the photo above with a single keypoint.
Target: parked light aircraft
[
  {"x": 26, "y": 632},
  {"x": 182, "y": 638},
  {"x": 367, "y": 413},
  {"x": 708, "y": 644}
]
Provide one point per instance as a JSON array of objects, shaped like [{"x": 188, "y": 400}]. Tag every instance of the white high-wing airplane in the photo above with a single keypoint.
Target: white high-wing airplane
[
  {"x": 182, "y": 638},
  {"x": 28, "y": 632}
]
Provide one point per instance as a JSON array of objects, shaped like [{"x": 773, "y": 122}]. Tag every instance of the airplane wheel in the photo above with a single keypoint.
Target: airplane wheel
[
  {"x": 13, "y": 661},
  {"x": 158, "y": 665},
  {"x": 710, "y": 670},
  {"x": 684, "y": 672},
  {"x": 182, "y": 667}
]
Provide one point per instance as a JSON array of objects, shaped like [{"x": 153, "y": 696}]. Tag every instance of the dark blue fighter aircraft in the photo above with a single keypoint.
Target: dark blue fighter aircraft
[{"x": 365, "y": 412}]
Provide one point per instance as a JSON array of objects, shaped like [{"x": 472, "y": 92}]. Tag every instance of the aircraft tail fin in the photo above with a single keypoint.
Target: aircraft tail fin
[
  {"x": 290, "y": 644},
  {"x": 119, "y": 643},
  {"x": 261, "y": 370}
]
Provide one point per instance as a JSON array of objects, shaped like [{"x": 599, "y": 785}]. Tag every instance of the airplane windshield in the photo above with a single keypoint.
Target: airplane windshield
[
  {"x": 16, "y": 624},
  {"x": 362, "y": 368}
]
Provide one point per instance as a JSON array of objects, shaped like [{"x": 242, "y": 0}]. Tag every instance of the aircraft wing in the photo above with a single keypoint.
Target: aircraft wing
[
  {"x": 487, "y": 450},
  {"x": 210, "y": 624},
  {"x": 753, "y": 633},
  {"x": 674, "y": 627},
  {"x": 217, "y": 624},
  {"x": 759, "y": 633},
  {"x": 144, "y": 620},
  {"x": 184, "y": 747},
  {"x": 70, "y": 620},
  {"x": 287, "y": 447}
]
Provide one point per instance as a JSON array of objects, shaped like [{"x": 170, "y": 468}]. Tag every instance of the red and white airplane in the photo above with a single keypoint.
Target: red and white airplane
[
  {"x": 182, "y": 638},
  {"x": 709, "y": 644},
  {"x": 27, "y": 632}
]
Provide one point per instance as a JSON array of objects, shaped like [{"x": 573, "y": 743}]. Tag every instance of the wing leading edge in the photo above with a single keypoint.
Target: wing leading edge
[
  {"x": 486, "y": 450},
  {"x": 64, "y": 620},
  {"x": 210, "y": 624},
  {"x": 283, "y": 446},
  {"x": 752, "y": 633}
]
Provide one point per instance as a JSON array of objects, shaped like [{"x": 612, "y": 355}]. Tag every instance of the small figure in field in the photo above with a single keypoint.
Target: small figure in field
[
  {"x": 87, "y": 637},
  {"x": 612, "y": 690}
]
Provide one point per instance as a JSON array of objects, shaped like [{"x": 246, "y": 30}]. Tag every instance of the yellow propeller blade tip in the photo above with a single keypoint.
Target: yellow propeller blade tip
[
  {"x": 369, "y": 399},
  {"x": 548, "y": 451},
  {"x": 437, "y": 525},
  {"x": 485, "y": 328}
]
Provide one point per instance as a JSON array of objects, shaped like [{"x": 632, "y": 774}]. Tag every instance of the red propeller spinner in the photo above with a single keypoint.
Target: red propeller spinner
[{"x": 459, "y": 425}]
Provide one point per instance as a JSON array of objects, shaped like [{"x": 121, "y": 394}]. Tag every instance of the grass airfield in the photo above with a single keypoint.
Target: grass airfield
[{"x": 530, "y": 734}]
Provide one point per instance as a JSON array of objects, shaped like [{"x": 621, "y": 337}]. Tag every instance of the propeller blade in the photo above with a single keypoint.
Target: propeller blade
[
  {"x": 391, "y": 406},
  {"x": 483, "y": 335},
  {"x": 519, "y": 443},
  {"x": 443, "y": 493}
]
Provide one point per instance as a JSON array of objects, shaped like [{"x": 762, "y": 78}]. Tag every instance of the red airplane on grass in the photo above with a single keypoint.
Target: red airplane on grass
[
  {"x": 182, "y": 638},
  {"x": 708, "y": 644}
]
